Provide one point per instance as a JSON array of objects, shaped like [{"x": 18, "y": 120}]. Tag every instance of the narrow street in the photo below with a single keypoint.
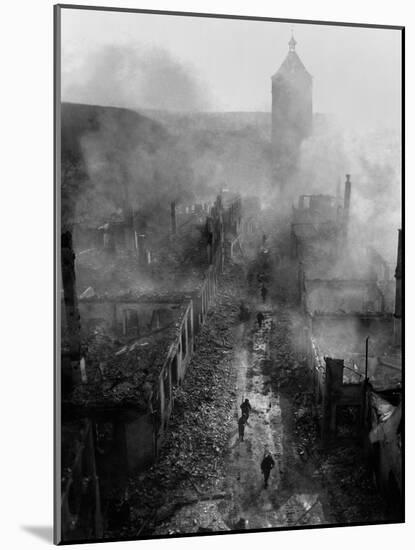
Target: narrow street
[
  {"x": 309, "y": 485},
  {"x": 280, "y": 505},
  {"x": 293, "y": 497}
]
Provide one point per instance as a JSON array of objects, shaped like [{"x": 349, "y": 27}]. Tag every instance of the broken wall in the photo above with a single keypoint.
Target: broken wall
[
  {"x": 128, "y": 317},
  {"x": 345, "y": 336}
]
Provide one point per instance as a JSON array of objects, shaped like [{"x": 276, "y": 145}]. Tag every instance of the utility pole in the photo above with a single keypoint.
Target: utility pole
[{"x": 365, "y": 386}]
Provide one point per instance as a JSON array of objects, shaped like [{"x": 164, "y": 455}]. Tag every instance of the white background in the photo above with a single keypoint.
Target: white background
[{"x": 26, "y": 245}]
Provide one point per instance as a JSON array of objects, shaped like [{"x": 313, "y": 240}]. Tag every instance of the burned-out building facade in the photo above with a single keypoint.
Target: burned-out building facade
[
  {"x": 353, "y": 355},
  {"x": 133, "y": 348}
]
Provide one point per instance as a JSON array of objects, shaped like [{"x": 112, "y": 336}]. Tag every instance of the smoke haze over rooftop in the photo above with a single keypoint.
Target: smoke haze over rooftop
[{"x": 207, "y": 64}]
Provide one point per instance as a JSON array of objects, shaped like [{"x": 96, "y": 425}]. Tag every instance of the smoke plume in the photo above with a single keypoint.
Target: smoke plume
[{"x": 135, "y": 78}]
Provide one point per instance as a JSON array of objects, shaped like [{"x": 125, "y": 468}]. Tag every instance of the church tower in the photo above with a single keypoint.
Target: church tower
[{"x": 292, "y": 113}]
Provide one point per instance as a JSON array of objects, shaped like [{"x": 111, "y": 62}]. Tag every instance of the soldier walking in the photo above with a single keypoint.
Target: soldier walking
[
  {"x": 246, "y": 409},
  {"x": 267, "y": 465}
]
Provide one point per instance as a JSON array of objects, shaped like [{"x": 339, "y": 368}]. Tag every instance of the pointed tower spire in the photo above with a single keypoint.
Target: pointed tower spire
[{"x": 292, "y": 43}]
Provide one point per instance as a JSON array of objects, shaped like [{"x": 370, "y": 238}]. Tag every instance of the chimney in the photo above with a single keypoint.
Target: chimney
[
  {"x": 346, "y": 206},
  {"x": 173, "y": 217}
]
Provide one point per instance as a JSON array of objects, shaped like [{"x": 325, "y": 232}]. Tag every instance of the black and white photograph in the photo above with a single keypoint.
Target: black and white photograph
[{"x": 229, "y": 265}]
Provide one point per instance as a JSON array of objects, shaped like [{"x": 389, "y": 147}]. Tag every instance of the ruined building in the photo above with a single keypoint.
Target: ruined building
[
  {"x": 333, "y": 275},
  {"x": 352, "y": 337},
  {"x": 125, "y": 352},
  {"x": 292, "y": 113}
]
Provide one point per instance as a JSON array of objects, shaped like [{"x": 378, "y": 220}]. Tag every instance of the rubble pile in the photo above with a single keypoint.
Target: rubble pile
[
  {"x": 351, "y": 488},
  {"x": 190, "y": 465},
  {"x": 289, "y": 375},
  {"x": 306, "y": 424},
  {"x": 177, "y": 265},
  {"x": 341, "y": 469},
  {"x": 187, "y": 248},
  {"x": 126, "y": 373},
  {"x": 284, "y": 366}
]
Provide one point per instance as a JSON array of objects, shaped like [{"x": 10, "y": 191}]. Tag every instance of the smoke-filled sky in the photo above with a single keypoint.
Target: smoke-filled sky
[{"x": 185, "y": 63}]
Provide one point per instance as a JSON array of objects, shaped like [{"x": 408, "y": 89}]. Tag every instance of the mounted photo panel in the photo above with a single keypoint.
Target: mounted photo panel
[{"x": 229, "y": 260}]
